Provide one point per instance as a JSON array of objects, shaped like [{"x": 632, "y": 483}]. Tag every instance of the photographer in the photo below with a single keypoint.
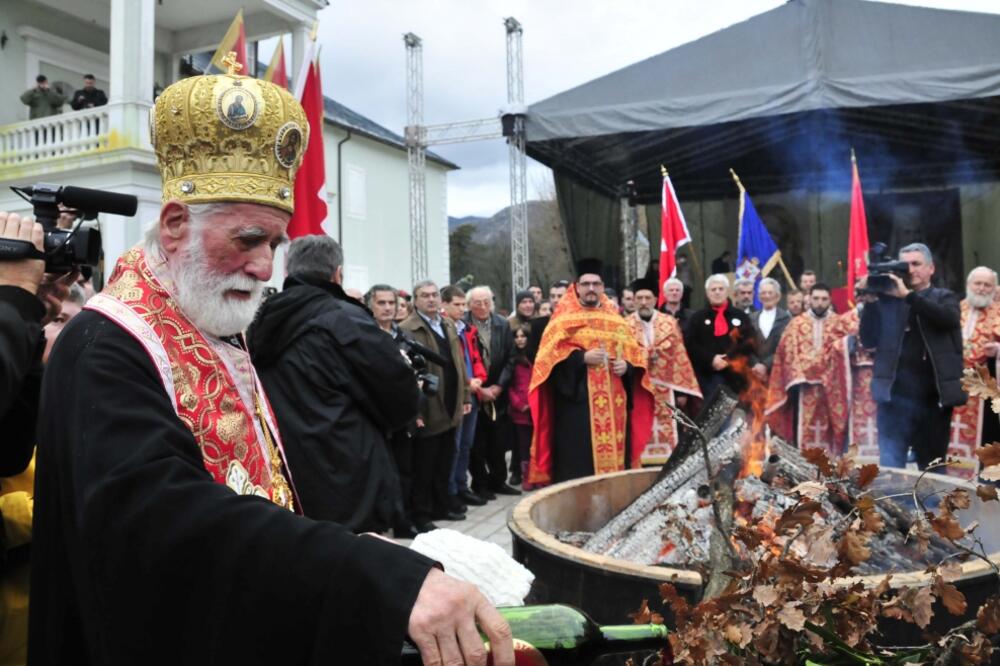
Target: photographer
[
  {"x": 25, "y": 305},
  {"x": 915, "y": 330},
  {"x": 338, "y": 386}
]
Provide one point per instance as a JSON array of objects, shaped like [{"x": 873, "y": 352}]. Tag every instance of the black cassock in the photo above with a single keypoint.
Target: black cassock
[
  {"x": 139, "y": 557},
  {"x": 572, "y": 449}
]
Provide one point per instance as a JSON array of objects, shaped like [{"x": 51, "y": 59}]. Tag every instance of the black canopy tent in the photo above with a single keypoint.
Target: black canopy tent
[{"x": 781, "y": 98}]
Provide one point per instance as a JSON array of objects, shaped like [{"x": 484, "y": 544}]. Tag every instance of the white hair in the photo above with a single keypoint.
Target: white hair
[
  {"x": 717, "y": 278},
  {"x": 772, "y": 282},
  {"x": 480, "y": 288},
  {"x": 673, "y": 281},
  {"x": 198, "y": 214},
  {"x": 982, "y": 269}
]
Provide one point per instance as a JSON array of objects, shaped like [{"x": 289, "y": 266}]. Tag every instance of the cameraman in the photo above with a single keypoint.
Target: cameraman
[
  {"x": 338, "y": 386},
  {"x": 915, "y": 330},
  {"x": 25, "y": 306}
]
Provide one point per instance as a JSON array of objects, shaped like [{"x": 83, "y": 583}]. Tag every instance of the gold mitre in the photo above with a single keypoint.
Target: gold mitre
[{"x": 228, "y": 137}]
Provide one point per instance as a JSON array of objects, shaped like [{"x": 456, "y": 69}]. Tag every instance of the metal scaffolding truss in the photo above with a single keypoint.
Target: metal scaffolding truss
[{"x": 510, "y": 124}]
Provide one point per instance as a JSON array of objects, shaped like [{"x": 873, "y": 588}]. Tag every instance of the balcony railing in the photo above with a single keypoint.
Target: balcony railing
[{"x": 59, "y": 136}]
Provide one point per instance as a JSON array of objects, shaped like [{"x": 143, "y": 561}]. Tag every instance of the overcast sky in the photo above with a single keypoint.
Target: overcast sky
[{"x": 565, "y": 44}]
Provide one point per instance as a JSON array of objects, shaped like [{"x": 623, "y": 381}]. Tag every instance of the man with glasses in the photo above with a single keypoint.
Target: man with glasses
[{"x": 588, "y": 364}]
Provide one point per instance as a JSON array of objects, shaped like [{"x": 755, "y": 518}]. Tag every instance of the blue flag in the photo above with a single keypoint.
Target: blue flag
[{"x": 756, "y": 254}]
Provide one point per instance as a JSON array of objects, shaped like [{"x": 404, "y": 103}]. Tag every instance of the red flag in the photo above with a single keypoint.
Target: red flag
[
  {"x": 276, "y": 69},
  {"x": 857, "y": 240},
  {"x": 234, "y": 40},
  {"x": 673, "y": 233},
  {"x": 310, "y": 181}
]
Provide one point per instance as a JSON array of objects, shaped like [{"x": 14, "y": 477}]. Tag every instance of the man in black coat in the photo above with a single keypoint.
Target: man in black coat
[
  {"x": 89, "y": 96},
  {"x": 338, "y": 386},
  {"x": 488, "y": 464},
  {"x": 915, "y": 330},
  {"x": 719, "y": 339},
  {"x": 538, "y": 324}
]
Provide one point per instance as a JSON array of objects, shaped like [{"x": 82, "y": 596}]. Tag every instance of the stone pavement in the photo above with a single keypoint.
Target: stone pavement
[{"x": 488, "y": 523}]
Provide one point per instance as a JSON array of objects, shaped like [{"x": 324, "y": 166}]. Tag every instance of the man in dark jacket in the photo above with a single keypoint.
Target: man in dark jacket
[
  {"x": 338, "y": 386},
  {"x": 42, "y": 100},
  {"x": 719, "y": 340},
  {"x": 89, "y": 96},
  {"x": 915, "y": 330},
  {"x": 770, "y": 322},
  {"x": 488, "y": 464},
  {"x": 441, "y": 413}
]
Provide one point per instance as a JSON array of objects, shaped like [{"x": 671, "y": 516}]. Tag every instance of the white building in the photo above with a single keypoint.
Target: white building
[{"x": 134, "y": 46}]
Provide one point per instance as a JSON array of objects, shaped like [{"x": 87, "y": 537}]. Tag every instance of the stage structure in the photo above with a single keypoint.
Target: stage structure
[{"x": 509, "y": 125}]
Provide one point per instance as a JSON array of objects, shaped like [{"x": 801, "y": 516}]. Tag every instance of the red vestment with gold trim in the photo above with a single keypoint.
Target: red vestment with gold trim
[
  {"x": 233, "y": 443},
  {"x": 574, "y": 327},
  {"x": 800, "y": 361},
  {"x": 848, "y": 390},
  {"x": 670, "y": 372}
]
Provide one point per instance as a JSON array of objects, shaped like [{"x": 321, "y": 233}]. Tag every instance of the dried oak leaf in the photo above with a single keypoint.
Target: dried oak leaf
[
  {"x": 845, "y": 463},
  {"x": 645, "y": 616},
  {"x": 950, "y": 571},
  {"x": 822, "y": 550},
  {"x": 871, "y": 519},
  {"x": 979, "y": 650},
  {"x": 949, "y": 595},
  {"x": 958, "y": 499},
  {"x": 978, "y": 383},
  {"x": 912, "y": 604},
  {"x": 792, "y": 617},
  {"x": 988, "y": 617},
  {"x": 989, "y": 454},
  {"x": 867, "y": 474},
  {"x": 991, "y": 473},
  {"x": 818, "y": 457},
  {"x": 853, "y": 548},
  {"x": 748, "y": 536},
  {"x": 811, "y": 489},
  {"x": 987, "y": 493},
  {"x": 738, "y": 634},
  {"x": 946, "y": 525},
  {"x": 920, "y": 532},
  {"x": 765, "y": 595},
  {"x": 799, "y": 514},
  {"x": 677, "y": 603}
]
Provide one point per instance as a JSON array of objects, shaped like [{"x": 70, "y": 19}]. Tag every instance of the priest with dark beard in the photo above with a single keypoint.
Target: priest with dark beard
[
  {"x": 587, "y": 366},
  {"x": 166, "y": 521}
]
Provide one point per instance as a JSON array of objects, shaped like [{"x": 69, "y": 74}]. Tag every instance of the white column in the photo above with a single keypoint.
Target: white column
[
  {"x": 300, "y": 42},
  {"x": 131, "y": 86}
]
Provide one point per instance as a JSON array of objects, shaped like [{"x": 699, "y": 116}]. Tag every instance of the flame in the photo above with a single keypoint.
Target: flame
[{"x": 755, "y": 395}]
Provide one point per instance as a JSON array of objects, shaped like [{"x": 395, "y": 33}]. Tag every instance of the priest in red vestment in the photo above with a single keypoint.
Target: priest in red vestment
[
  {"x": 975, "y": 423},
  {"x": 588, "y": 364},
  {"x": 670, "y": 374},
  {"x": 848, "y": 384},
  {"x": 797, "y": 408}
]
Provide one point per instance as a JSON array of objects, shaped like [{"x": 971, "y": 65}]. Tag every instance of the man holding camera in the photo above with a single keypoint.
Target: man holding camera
[
  {"x": 915, "y": 329},
  {"x": 441, "y": 414},
  {"x": 338, "y": 385}
]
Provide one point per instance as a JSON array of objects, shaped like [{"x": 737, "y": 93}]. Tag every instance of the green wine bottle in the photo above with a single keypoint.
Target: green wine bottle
[{"x": 558, "y": 635}]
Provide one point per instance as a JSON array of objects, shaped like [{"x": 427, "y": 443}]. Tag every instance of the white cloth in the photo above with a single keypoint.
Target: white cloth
[
  {"x": 766, "y": 321},
  {"x": 498, "y": 576}
]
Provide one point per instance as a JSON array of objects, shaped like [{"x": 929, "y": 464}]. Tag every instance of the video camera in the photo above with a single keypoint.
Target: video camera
[
  {"x": 66, "y": 250},
  {"x": 880, "y": 267},
  {"x": 418, "y": 355}
]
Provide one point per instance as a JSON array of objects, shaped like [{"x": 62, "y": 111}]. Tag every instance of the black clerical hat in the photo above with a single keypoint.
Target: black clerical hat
[
  {"x": 644, "y": 283},
  {"x": 591, "y": 265}
]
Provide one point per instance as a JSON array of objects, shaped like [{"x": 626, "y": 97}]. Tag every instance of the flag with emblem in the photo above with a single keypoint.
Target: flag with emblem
[
  {"x": 673, "y": 233},
  {"x": 276, "y": 69},
  {"x": 756, "y": 254},
  {"x": 234, "y": 40}
]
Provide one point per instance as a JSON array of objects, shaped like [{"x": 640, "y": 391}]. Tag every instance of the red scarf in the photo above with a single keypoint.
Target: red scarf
[{"x": 721, "y": 326}]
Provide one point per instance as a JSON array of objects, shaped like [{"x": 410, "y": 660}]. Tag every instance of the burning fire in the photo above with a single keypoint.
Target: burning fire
[{"x": 755, "y": 394}]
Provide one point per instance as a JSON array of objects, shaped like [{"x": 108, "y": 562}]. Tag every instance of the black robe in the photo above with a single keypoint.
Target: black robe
[
  {"x": 139, "y": 557},
  {"x": 338, "y": 386},
  {"x": 572, "y": 450}
]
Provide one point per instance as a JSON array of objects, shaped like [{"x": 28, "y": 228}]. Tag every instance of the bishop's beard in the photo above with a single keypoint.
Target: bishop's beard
[
  {"x": 201, "y": 293},
  {"x": 979, "y": 301}
]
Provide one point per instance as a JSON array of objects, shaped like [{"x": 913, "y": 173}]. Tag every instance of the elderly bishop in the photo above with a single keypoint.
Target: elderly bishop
[{"x": 165, "y": 528}]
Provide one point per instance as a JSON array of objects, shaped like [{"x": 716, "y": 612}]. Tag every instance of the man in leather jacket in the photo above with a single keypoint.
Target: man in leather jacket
[{"x": 915, "y": 330}]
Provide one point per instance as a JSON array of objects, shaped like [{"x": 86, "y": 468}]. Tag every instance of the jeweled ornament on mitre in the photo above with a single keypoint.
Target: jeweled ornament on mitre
[{"x": 228, "y": 137}]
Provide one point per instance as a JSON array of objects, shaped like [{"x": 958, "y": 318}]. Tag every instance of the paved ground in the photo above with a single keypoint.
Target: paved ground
[{"x": 488, "y": 523}]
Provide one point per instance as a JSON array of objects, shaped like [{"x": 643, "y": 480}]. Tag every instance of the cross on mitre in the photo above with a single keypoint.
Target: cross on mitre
[{"x": 232, "y": 65}]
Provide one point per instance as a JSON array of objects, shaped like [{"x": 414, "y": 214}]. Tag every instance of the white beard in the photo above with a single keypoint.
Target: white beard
[
  {"x": 979, "y": 302},
  {"x": 201, "y": 293}
]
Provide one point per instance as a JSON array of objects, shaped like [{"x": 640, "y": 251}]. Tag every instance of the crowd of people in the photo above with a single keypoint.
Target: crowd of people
[{"x": 207, "y": 437}]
